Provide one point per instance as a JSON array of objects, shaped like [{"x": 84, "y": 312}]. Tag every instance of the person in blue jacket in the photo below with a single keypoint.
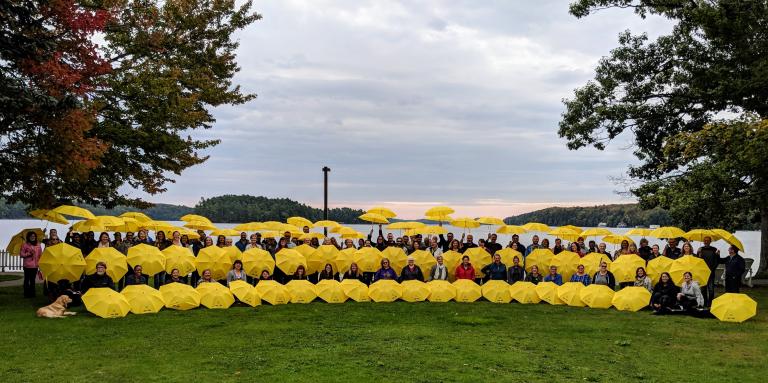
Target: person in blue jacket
[
  {"x": 553, "y": 276},
  {"x": 496, "y": 271}
]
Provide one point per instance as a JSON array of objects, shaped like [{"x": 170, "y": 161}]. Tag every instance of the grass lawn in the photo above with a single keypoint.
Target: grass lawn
[
  {"x": 422, "y": 342},
  {"x": 9, "y": 277}
]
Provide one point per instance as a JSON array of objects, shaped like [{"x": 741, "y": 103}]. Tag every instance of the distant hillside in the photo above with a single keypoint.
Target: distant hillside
[
  {"x": 160, "y": 211},
  {"x": 630, "y": 214}
]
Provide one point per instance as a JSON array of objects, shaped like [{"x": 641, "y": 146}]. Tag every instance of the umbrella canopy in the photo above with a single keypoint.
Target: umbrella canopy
[
  {"x": 321, "y": 256},
  {"x": 396, "y": 256},
  {"x": 330, "y": 291},
  {"x": 452, "y": 259},
  {"x": 106, "y": 303},
  {"x": 74, "y": 211},
  {"x": 508, "y": 255},
  {"x": 301, "y": 291},
  {"x": 696, "y": 266},
  {"x": 698, "y": 235},
  {"x": 201, "y": 225},
  {"x": 194, "y": 217},
  {"x": 355, "y": 290},
  {"x": 433, "y": 230},
  {"x": 729, "y": 238},
  {"x": 657, "y": 266},
  {"x": 638, "y": 232},
  {"x": 667, "y": 232},
  {"x": 617, "y": 239},
  {"x": 535, "y": 226},
  {"x": 438, "y": 218},
  {"x": 385, "y": 290},
  {"x": 368, "y": 259},
  {"x": 596, "y": 232},
  {"x": 305, "y": 250},
  {"x": 273, "y": 292},
  {"x": 540, "y": 258},
  {"x": 143, "y": 299},
  {"x": 50, "y": 216},
  {"x": 632, "y": 298},
  {"x": 524, "y": 292},
  {"x": 597, "y": 296},
  {"x": 18, "y": 239},
  {"x": 225, "y": 232},
  {"x": 441, "y": 291},
  {"x": 326, "y": 223},
  {"x": 511, "y": 229},
  {"x": 374, "y": 218},
  {"x": 568, "y": 292},
  {"x": 300, "y": 222},
  {"x": 107, "y": 220},
  {"x": 490, "y": 221},
  {"x": 405, "y": 225},
  {"x": 249, "y": 226},
  {"x": 732, "y": 307},
  {"x": 563, "y": 231},
  {"x": 592, "y": 262},
  {"x": 423, "y": 259},
  {"x": 344, "y": 259},
  {"x": 567, "y": 262},
  {"x": 151, "y": 259},
  {"x": 179, "y": 296},
  {"x": 467, "y": 291},
  {"x": 382, "y": 211},
  {"x": 547, "y": 292},
  {"x": 115, "y": 260},
  {"x": 178, "y": 257},
  {"x": 311, "y": 235},
  {"x": 624, "y": 268},
  {"x": 88, "y": 225},
  {"x": 478, "y": 257},
  {"x": 257, "y": 260},
  {"x": 62, "y": 261},
  {"x": 439, "y": 211},
  {"x": 465, "y": 223},
  {"x": 138, "y": 216},
  {"x": 245, "y": 293},
  {"x": 215, "y": 295},
  {"x": 288, "y": 260},
  {"x": 414, "y": 291},
  {"x": 215, "y": 259},
  {"x": 497, "y": 291}
]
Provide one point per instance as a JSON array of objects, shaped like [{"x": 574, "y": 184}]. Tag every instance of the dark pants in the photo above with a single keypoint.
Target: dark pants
[
  {"x": 709, "y": 292},
  {"x": 732, "y": 284},
  {"x": 665, "y": 301},
  {"x": 159, "y": 279},
  {"x": 30, "y": 273},
  {"x": 687, "y": 303}
]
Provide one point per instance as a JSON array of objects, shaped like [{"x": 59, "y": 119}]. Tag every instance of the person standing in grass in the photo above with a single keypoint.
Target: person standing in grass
[
  {"x": 236, "y": 273},
  {"x": 734, "y": 269},
  {"x": 644, "y": 251},
  {"x": 103, "y": 241},
  {"x": 533, "y": 246},
  {"x": 710, "y": 255},
  {"x": 30, "y": 253},
  {"x": 553, "y": 276},
  {"x": 642, "y": 279},
  {"x": 671, "y": 250},
  {"x": 385, "y": 272},
  {"x": 604, "y": 277},
  {"x": 580, "y": 276},
  {"x": 623, "y": 250},
  {"x": 664, "y": 294},
  {"x": 465, "y": 269}
]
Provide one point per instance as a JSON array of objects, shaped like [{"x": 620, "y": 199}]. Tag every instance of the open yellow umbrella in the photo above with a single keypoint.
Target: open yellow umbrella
[
  {"x": 699, "y": 235},
  {"x": 88, "y": 225},
  {"x": 592, "y": 262},
  {"x": 568, "y": 292},
  {"x": 624, "y": 268},
  {"x": 639, "y": 232},
  {"x": 326, "y": 223},
  {"x": 441, "y": 291},
  {"x": 245, "y": 293},
  {"x": 733, "y": 307},
  {"x": 201, "y": 225},
  {"x": 233, "y": 254},
  {"x": 540, "y": 258},
  {"x": 368, "y": 259},
  {"x": 561, "y": 232},
  {"x": 301, "y": 291},
  {"x": 385, "y": 290},
  {"x": 547, "y": 291},
  {"x": 310, "y": 236},
  {"x": 490, "y": 221},
  {"x": 257, "y": 260},
  {"x": 74, "y": 211},
  {"x": 632, "y": 298},
  {"x": 318, "y": 258},
  {"x": 62, "y": 261},
  {"x": 478, "y": 257},
  {"x": 344, "y": 259},
  {"x": 355, "y": 290},
  {"x": 178, "y": 257},
  {"x": 696, "y": 266},
  {"x": 50, "y": 216},
  {"x": 396, "y": 256},
  {"x": 273, "y": 292},
  {"x": 215, "y": 259},
  {"x": 497, "y": 291},
  {"x": 616, "y": 239},
  {"x": 288, "y": 260},
  {"x": 414, "y": 291},
  {"x": 225, "y": 232},
  {"x": 595, "y": 232},
  {"x": 151, "y": 259},
  {"x": 106, "y": 220},
  {"x": 143, "y": 299},
  {"x": 194, "y": 217},
  {"x": 115, "y": 260},
  {"x": 439, "y": 211},
  {"x": 405, "y": 225},
  {"x": 106, "y": 303},
  {"x": 18, "y": 239},
  {"x": 138, "y": 216},
  {"x": 667, "y": 232},
  {"x": 179, "y": 296},
  {"x": 729, "y": 238},
  {"x": 305, "y": 250},
  {"x": 382, "y": 211},
  {"x": 250, "y": 226},
  {"x": 452, "y": 259},
  {"x": 597, "y": 296},
  {"x": 511, "y": 229},
  {"x": 438, "y": 218},
  {"x": 330, "y": 291},
  {"x": 374, "y": 218},
  {"x": 433, "y": 230},
  {"x": 465, "y": 223},
  {"x": 567, "y": 262},
  {"x": 524, "y": 292},
  {"x": 355, "y": 235},
  {"x": 535, "y": 226},
  {"x": 215, "y": 296},
  {"x": 423, "y": 259},
  {"x": 657, "y": 266},
  {"x": 467, "y": 291},
  {"x": 300, "y": 222}
]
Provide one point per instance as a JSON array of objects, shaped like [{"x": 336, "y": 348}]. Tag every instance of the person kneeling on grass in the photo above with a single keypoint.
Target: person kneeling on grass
[
  {"x": 690, "y": 295},
  {"x": 465, "y": 269},
  {"x": 642, "y": 279},
  {"x": 265, "y": 276},
  {"x": 205, "y": 277},
  {"x": 385, "y": 272},
  {"x": 515, "y": 272},
  {"x": 439, "y": 271},
  {"x": 581, "y": 276},
  {"x": 299, "y": 275},
  {"x": 411, "y": 272},
  {"x": 175, "y": 276},
  {"x": 137, "y": 278},
  {"x": 534, "y": 276},
  {"x": 327, "y": 273},
  {"x": 664, "y": 294},
  {"x": 554, "y": 276},
  {"x": 98, "y": 279},
  {"x": 236, "y": 273},
  {"x": 496, "y": 271},
  {"x": 604, "y": 277}
]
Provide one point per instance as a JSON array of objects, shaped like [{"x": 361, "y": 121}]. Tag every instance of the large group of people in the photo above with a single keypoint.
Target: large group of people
[{"x": 666, "y": 296}]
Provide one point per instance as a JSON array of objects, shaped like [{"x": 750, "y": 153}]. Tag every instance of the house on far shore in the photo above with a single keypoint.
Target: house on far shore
[
  {"x": 621, "y": 224},
  {"x": 602, "y": 224}
]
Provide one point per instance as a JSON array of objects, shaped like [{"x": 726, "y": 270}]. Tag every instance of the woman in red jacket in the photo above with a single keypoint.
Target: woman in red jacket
[{"x": 465, "y": 269}]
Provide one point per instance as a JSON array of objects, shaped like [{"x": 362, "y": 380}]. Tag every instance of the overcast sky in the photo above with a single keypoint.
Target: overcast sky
[{"x": 412, "y": 104}]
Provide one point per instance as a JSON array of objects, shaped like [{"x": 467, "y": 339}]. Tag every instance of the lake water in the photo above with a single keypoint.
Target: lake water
[{"x": 750, "y": 239}]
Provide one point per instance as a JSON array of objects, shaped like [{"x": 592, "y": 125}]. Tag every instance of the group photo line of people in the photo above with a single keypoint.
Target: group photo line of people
[{"x": 184, "y": 267}]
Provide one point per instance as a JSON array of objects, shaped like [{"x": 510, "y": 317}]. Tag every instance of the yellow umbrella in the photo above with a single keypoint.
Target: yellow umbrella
[
  {"x": 497, "y": 291},
  {"x": 696, "y": 266},
  {"x": 667, "y": 232},
  {"x": 596, "y": 232},
  {"x": 568, "y": 292},
  {"x": 74, "y": 211},
  {"x": 396, "y": 256},
  {"x": 200, "y": 225},
  {"x": 18, "y": 239},
  {"x": 233, "y": 253},
  {"x": 288, "y": 260},
  {"x": 597, "y": 296},
  {"x": 729, "y": 238},
  {"x": 318, "y": 258},
  {"x": 441, "y": 291},
  {"x": 732, "y": 307},
  {"x": 330, "y": 291},
  {"x": 632, "y": 298},
  {"x": 87, "y": 225},
  {"x": 62, "y": 261},
  {"x": 300, "y": 222},
  {"x": 374, "y": 218},
  {"x": 245, "y": 293},
  {"x": 138, "y": 216},
  {"x": 699, "y": 235},
  {"x": 592, "y": 262},
  {"x": 423, "y": 259},
  {"x": 194, "y": 217},
  {"x": 467, "y": 291},
  {"x": 452, "y": 259},
  {"x": 382, "y": 211},
  {"x": 657, "y": 266},
  {"x": 354, "y": 235},
  {"x": 439, "y": 211},
  {"x": 179, "y": 296},
  {"x": 106, "y": 220},
  {"x": 143, "y": 299},
  {"x": 567, "y": 262},
  {"x": 547, "y": 291},
  {"x": 478, "y": 257},
  {"x": 511, "y": 229},
  {"x": 225, "y": 232},
  {"x": 106, "y": 303},
  {"x": 257, "y": 260},
  {"x": 573, "y": 228},
  {"x": 215, "y": 296},
  {"x": 564, "y": 231},
  {"x": 177, "y": 257},
  {"x": 273, "y": 292},
  {"x": 385, "y": 290},
  {"x": 638, "y": 232},
  {"x": 368, "y": 259},
  {"x": 414, "y": 291},
  {"x": 540, "y": 258},
  {"x": 215, "y": 259},
  {"x": 490, "y": 221},
  {"x": 326, "y": 223},
  {"x": 624, "y": 268},
  {"x": 434, "y": 230},
  {"x": 344, "y": 259},
  {"x": 301, "y": 291},
  {"x": 50, "y": 216},
  {"x": 355, "y": 290},
  {"x": 115, "y": 260},
  {"x": 305, "y": 250},
  {"x": 311, "y": 235},
  {"x": 617, "y": 239},
  {"x": 465, "y": 223},
  {"x": 438, "y": 218},
  {"x": 151, "y": 259},
  {"x": 524, "y": 292},
  {"x": 535, "y": 226},
  {"x": 249, "y": 226},
  {"x": 405, "y": 225},
  {"x": 126, "y": 227}
]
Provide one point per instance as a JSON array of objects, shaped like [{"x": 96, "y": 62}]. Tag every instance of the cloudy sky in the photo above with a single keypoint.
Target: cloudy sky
[{"x": 412, "y": 104}]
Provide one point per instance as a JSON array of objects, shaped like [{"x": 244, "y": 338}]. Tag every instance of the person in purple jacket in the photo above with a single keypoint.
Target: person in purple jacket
[{"x": 385, "y": 272}]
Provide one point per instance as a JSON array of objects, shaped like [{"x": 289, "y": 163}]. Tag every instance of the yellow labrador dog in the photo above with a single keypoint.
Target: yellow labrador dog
[{"x": 57, "y": 309}]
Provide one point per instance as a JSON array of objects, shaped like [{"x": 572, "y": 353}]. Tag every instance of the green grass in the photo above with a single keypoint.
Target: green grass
[
  {"x": 406, "y": 342},
  {"x": 9, "y": 277}
]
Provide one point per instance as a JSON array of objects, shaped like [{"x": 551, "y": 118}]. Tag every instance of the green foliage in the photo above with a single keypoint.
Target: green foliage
[
  {"x": 630, "y": 214},
  {"x": 245, "y": 208}
]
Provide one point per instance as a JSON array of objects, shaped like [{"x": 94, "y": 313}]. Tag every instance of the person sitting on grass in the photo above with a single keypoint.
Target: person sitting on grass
[
  {"x": 327, "y": 273},
  {"x": 496, "y": 271},
  {"x": 554, "y": 276},
  {"x": 175, "y": 276},
  {"x": 136, "y": 278},
  {"x": 604, "y": 277},
  {"x": 690, "y": 296},
  {"x": 237, "y": 273},
  {"x": 385, "y": 272},
  {"x": 206, "y": 277},
  {"x": 98, "y": 279},
  {"x": 465, "y": 269},
  {"x": 439, "y": 271},
  {"x": 534, "y": 276},
  {"x": 642, "y": 279},
  {"x": 581, "y": 276},
  {"x": 265, "y": 276},
  {"x": 354, "y": 273},
  {"x": 515, "y": 272},
  {"x": 411, "y": 272},
  {"x": 664, "y": 294},
  {"x": 299, "y": 275}
]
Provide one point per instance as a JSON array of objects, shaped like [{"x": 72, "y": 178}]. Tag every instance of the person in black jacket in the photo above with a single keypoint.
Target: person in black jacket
[
  {"x": 734, "y": 269},
  {"x": 354, "y": 273},
  {"x": 664, "y": 294},
  {"x": 710, "y": 255},
  {"x": 515, "y": 272},
  {"x": 411, "y": 272},
  {"x": 327, "y": 273},
  {"x": 604, "y": 277},
  {"x": 98, "y": 279},
  {"x": 496, "y": 271}
]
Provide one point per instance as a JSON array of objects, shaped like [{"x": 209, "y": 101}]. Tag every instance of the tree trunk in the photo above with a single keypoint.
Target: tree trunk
[{"x": 763, "y": 263}]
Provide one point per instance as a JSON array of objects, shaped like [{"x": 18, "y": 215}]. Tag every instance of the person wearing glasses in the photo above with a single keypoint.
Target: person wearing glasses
[{"x": 385, "y": 272}]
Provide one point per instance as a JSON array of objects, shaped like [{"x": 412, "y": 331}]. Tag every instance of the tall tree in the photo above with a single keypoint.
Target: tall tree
[
  {"x": 706, "y": 80},
  {"x": 80, "y": 120}
]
